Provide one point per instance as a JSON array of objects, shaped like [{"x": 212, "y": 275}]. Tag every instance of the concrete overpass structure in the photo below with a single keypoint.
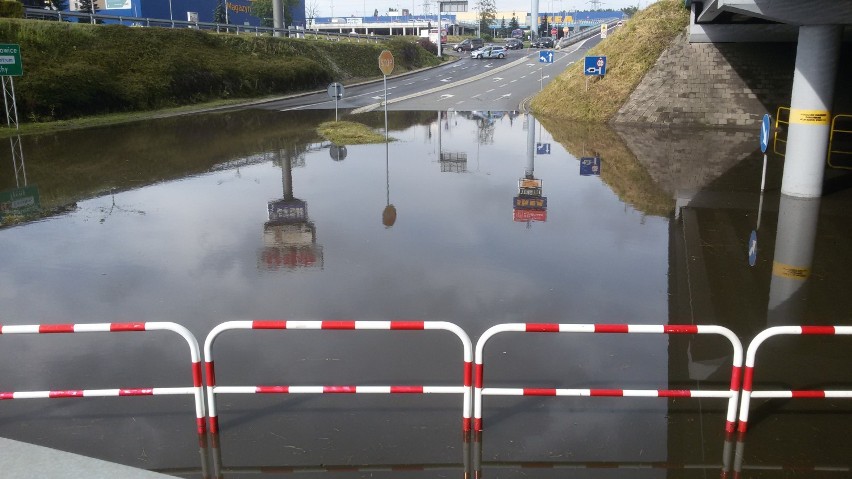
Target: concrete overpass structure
[{"x": 818, "y": 26}]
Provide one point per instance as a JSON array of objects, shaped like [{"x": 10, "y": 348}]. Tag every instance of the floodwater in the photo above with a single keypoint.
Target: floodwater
[{"x": 249, "y": 215}]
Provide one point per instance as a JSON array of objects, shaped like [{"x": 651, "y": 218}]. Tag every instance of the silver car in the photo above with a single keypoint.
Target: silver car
[{"x": 488, "y": 52}]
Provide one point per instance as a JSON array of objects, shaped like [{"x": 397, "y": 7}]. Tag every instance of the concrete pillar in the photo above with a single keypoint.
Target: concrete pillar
[
  {"x": 810, "y": 109},
  {"x": 794, "y": 255},
  {"x": 534, "y": 20},
  {"x": 277, "y": 15}
]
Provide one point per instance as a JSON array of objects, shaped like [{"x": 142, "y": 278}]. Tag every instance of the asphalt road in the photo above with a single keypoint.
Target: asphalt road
[{"x": 465, "y": 84}]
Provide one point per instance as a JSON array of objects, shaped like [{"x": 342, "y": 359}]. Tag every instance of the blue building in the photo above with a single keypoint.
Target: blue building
[{"x": 239, "y": 11}]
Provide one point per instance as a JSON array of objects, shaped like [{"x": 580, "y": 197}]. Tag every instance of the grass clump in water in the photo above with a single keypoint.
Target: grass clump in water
[
  {"x": 349, "y": 133},
  {"x": 631, "y": 51}
]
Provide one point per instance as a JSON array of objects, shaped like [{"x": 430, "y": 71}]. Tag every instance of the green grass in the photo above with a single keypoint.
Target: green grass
[
  {"x": 631, "y": 51},
  {"x": 76, "y": 70},
  {"x": 349, "y": 133}
]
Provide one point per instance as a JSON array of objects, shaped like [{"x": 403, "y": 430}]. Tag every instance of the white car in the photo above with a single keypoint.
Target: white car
[{"x": 488, "y": 52}]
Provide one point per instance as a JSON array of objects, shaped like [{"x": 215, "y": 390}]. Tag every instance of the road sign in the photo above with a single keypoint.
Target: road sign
[
  {"x": 603, "y": 30},
  {"x": 542, "y": 148},
  {"x": 335, "y": 90},
  {"x": 752, "y": 248},
  {"x": 19, "y": 201},
  {"x": 530, "y": 202},
  {"x": 386, "y": 62},
  {"x": 545, "y": 56},
  {"x": 595, "y": 66},
  {"x": 590, "y": 166},
  {"x": 765, "y": 128},
  {"x": 553, "y": 31},
  {"x": 10, "y": 60},
  {"x": 338, "y": 153}
]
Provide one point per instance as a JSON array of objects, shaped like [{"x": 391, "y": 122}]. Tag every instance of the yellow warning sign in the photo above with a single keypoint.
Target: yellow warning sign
[
  {"x": 809, "y": 117},
  {"x": 790, "y": 272}
]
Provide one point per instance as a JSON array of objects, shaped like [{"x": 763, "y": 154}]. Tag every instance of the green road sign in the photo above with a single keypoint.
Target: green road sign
[
  {"x": 10, "y": 60},
  {"x": 19, "y": 201}
]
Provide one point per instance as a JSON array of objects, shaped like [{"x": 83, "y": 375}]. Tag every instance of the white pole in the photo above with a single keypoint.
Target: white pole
[{"x": 763, "y": 176}]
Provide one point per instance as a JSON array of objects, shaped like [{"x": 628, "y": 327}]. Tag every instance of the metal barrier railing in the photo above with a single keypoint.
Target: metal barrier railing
[
  {"x": 732, "y": 394},
  {"x": 41, "y": 14},
  {"x": 843, "y": 136},
  {"x": 748, "y": 378},
  {"x": 213, "y": 389},
  {"x": 195, "y": 390}
]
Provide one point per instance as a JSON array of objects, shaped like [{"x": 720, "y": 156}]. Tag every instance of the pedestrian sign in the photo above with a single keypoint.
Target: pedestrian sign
[
  {"x": 545, "y": 56},
  {"x": 595, "y": 66}
]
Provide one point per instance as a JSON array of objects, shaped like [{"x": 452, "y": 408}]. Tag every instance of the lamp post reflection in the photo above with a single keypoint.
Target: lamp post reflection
[
  {"x": 530, "y": 205},
  {"x": 289, "y": 237},
  {"x": 389, "y": 213}
]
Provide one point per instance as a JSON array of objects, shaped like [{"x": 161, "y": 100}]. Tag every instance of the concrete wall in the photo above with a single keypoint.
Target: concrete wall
[{"x": 720, "y": 85}]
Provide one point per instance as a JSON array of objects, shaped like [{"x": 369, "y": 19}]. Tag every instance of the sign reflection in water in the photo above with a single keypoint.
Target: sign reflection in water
[{"x": 289, "y": 237}]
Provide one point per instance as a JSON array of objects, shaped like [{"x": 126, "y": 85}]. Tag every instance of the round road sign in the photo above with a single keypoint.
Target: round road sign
[
  {"x": 338, "y": 153},
  {"x": 335, "y": 90},
  {"x": 386, "y": 62}
]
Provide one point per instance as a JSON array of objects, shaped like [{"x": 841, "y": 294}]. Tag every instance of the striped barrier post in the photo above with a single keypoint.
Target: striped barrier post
[
  {"x": 731, "y": 393},
  {"x": 213, "y": 389},
  {"x": 195, "y": 390},
  {"x": 748, "y": 378}
]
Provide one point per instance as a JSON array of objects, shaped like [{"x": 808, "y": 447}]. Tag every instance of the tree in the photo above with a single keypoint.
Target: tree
[
  {"x": 487, "y": 14},
  {"x": 262, "y": 9},
  {"x": 219, "y": 12},
  {"x": 503, "y": 32},
  {"x": 513, "y": 23},
  {"x": 544, "y": 28},
  {"x": 84, "y": 6},
  {"x": 311, "y": 11},
  {"x": 630, "y": 11}
]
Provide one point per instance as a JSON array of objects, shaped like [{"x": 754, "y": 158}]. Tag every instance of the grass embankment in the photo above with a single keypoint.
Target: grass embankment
[
  {"x": 349, "y": 133},
  {"x": 74, "y": 70},
  {"x": 631, "y": 51},
  {"x": 620, "y": 169}
]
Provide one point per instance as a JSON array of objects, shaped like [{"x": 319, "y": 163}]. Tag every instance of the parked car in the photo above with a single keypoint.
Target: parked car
[
  {"x": 488, "y": 52},
  {"x": 514, "y": 44},
  {"x": 469, "y": 44},
  {"x": 543, "y": 42}
]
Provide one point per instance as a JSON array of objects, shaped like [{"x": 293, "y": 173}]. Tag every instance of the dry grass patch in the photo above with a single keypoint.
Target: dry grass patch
[
  {"x": 631, "y": 51},
  {"x": 349, "y": 133}
]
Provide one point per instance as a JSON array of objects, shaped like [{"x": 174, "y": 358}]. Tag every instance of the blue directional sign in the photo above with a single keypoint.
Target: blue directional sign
[
  {"x": 542, "y": 148},
  {"x": 545, "y": 56},
  {"x": 595, "y": 66},
  {"x": 765, "y": 128},
  {"x": 590, "y": 166},
  {"x": 752, "y": 248}
]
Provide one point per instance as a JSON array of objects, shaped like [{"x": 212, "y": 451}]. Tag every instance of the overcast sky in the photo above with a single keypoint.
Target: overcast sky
[{"x": 366, "y": 7}]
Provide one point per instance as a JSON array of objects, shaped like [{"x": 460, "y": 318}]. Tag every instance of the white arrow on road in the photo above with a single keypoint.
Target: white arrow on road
[
  {"x": 444, "y": 97},
  {"x": 446, "y": 79},
  {"x": 506, "y": 95}
]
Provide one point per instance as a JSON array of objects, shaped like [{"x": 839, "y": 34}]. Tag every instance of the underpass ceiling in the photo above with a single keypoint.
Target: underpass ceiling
[{"x": 794, "y": 12}]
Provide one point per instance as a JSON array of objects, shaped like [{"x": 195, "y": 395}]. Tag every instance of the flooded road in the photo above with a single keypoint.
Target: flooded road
[{"x": 475, "y": 218}]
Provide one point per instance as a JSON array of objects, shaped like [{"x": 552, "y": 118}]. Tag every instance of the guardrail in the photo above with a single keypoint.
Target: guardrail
[
  {"x": 213, "y": 389},
  {"x": 748, "y": 381},
  {"x": 473, "y": 367},
  {"x": 732, "y": 394},
  {"x": 116, "y": 328},
  {"x": 81, "y": 17}
]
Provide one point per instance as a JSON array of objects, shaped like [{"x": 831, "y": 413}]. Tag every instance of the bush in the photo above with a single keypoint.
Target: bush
[
  {"x": 427, "y": 45},
  {"x": 11, "y": 9}
]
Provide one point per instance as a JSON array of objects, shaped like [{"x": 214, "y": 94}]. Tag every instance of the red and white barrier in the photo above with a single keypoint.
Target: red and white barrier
[
  {"x": 748, "y": 379},
  {"x": 731, "y": 394},
  {"x": 195, "y": 389},
  {"x": 213, "y": 389}
]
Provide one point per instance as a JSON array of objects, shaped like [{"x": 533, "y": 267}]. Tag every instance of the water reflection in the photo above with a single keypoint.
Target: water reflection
[{"x": 657, "y": 234}]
